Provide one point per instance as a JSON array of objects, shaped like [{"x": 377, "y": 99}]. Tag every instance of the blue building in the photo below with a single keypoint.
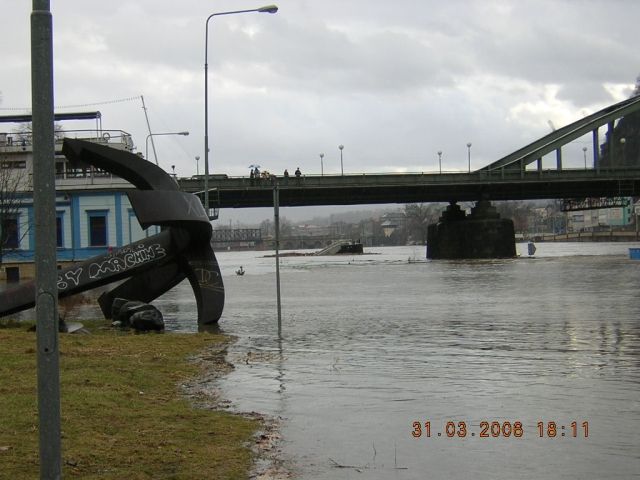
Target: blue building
[{"x": 93, "y": 213}]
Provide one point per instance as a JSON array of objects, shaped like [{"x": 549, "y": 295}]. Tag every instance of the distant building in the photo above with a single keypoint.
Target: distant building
[
  {"x": 604, "y": 218},
  {"x": 93, "y": 212},
  {"x": 390, "y": 222}
]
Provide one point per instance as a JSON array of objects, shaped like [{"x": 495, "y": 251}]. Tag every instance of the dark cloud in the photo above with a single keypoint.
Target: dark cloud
[{"x": 393, "y": 81}]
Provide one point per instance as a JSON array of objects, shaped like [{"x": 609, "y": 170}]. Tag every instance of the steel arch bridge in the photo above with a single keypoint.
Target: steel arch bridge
[{"x": 507, "y": 178}]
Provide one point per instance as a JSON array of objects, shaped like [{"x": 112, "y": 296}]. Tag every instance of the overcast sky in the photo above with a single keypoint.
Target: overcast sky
[{"x": 393, "y": 81}]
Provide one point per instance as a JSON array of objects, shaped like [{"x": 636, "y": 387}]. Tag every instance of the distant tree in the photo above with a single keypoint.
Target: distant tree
[
  {"x": 518, "y": 211},
  {"x": 286, "y": 227},
  {"x": 266, "y": 227},
  {"x": 625, "y": 144},
  {"x": 419, "y": 216},
  {"x": 25, "y": 131},
  {"x": 12, "y": 228}
]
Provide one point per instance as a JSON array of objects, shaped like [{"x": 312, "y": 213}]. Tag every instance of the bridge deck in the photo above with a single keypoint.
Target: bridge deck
[{"x": 502, "y": 184}]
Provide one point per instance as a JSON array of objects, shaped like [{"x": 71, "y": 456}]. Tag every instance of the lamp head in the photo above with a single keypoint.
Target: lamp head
[
  {"x": 183, "y": 133},
  {"x": 268, "y": 9}
]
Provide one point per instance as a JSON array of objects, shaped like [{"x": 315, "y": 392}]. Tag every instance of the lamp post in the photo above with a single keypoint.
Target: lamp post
[
  {"x": 197, "y": 165},
  {"x": 321, "y": 164},
  {"x": 469, "y": 155},
  {"x": 341, "y": 166},
  {"x": 266, "y": 9},
  {"x": 584, "y": 151},
  {"x": 146, "y": 142},
  {"x": 440, "y": 160},
  {"x": 623, "y": 143}
]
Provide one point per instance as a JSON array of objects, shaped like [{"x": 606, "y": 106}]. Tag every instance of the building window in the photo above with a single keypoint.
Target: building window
[
  {"x": 59, "y": 231},
  {"x": 10, "y": 237},
  {"x": 97, "y": 228}
]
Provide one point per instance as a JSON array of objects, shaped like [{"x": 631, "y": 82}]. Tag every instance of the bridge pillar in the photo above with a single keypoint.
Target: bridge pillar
[{"x": 482, "y": 234}]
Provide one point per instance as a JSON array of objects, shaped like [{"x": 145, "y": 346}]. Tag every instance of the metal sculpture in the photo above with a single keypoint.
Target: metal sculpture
[{"x": 153, "y": 265}]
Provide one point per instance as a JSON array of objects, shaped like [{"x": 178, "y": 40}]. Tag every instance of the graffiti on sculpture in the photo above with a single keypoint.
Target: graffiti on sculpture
[
  {"x": 126, "y": 260},
  {"x": 149, "y": 267}
]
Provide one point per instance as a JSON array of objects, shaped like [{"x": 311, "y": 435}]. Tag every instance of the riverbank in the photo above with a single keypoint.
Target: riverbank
[{"x": 132, "y": 406}]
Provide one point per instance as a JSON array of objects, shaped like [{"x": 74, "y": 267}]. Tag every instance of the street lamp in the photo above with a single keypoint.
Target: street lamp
[
  {"x": 146, "y": 142},
  {"x": 440, "y": 160},
  {"x": 197, "y": 165},
  {"x": 341, "y": 167},
  {"x": 623, "y": 142},
  {"x": 469, "y": 155},
  {"x": 321, "y": 164},
  {"x": 584, "y": 151},
  {"x": 265, "y": 9}
]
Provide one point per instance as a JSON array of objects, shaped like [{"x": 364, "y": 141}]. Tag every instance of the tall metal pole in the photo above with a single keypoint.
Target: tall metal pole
[
  {"x": 267, "y": 9},
  {"x": 276, "y": 221},
  {"x": 469, "y": 155},
  {"x": 44, "y": 200},
  {"x": 341, "y": 167},
  {"x": 440, "y": 160},
  {"x": 153, "y": 145},
  {"x": 321, "y": 164}
]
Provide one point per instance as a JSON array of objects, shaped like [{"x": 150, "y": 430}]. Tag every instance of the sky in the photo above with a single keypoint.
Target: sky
[{"x": 394, "y": 82}]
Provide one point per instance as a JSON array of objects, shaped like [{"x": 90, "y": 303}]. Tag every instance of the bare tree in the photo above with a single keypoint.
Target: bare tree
[
  {"x": 25, "y": 132},
  {"x": 419, "y": 217},
  {"x": 13, "y": 181}
]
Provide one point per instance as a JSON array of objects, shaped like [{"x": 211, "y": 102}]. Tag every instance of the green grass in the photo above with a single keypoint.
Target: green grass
[{"x": 123, "y": 415}]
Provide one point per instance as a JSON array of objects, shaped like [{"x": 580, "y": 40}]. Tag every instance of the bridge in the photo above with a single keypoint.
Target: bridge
[{"x": 509, "y": 178}]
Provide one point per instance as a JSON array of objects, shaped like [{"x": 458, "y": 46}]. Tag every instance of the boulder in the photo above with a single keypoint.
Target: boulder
[
  {"x": 135, "y": 314},
  {"x": 147, "y": 319}
]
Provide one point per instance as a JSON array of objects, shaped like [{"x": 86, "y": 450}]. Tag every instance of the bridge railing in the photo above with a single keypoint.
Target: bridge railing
[{"x": 422, "y": 178}]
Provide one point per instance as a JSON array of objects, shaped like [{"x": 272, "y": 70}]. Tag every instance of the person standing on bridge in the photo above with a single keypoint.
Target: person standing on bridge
[
  {"x": 298, "y": 174},
  {"x": 286, "y": 176}
]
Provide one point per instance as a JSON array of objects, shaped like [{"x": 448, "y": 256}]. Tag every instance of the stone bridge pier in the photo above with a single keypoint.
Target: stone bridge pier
[{"x": 481, "y": 234}]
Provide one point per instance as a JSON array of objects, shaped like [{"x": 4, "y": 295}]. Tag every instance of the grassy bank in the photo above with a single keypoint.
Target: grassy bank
[{"x": 123, "y": 414}]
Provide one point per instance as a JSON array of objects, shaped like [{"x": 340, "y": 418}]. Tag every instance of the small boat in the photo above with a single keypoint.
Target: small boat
[{"x": 240, "y": 271}]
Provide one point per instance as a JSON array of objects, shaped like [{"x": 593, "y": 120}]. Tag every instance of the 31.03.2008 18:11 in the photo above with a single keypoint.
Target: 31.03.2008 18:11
[{"x": 495, "y": 429}]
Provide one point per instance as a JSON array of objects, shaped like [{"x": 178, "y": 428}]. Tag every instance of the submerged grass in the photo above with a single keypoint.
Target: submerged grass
[{"x": 123, "y": 414}]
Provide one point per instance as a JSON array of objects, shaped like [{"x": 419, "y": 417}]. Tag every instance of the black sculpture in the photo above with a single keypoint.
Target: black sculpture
[{"x": 152, "y": 265}]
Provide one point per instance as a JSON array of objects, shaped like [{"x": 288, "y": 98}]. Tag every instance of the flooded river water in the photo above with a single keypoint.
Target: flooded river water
[
  {"x": 477, "y": 352},
  {"x": 392, "y": 369}
]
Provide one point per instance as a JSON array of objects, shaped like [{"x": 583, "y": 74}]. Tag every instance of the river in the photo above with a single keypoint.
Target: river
[
  {"x": 393, "y": 367},
  {"x": 477, "y": 352}
]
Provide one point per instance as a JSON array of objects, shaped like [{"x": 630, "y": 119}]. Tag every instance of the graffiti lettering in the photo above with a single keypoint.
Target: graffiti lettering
[
  {"x": 71, "y": 277},
  {"x": 132, "y": 258},
  {"x": 207, "y": 278}
]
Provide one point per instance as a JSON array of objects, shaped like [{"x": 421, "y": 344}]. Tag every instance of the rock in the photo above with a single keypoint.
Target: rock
[
  {"x": 117, "y": 311},
  {"x": 127, "y": 309},
  {"x": 145, "y": 319},
  {"x": 135, "y": 314}
]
